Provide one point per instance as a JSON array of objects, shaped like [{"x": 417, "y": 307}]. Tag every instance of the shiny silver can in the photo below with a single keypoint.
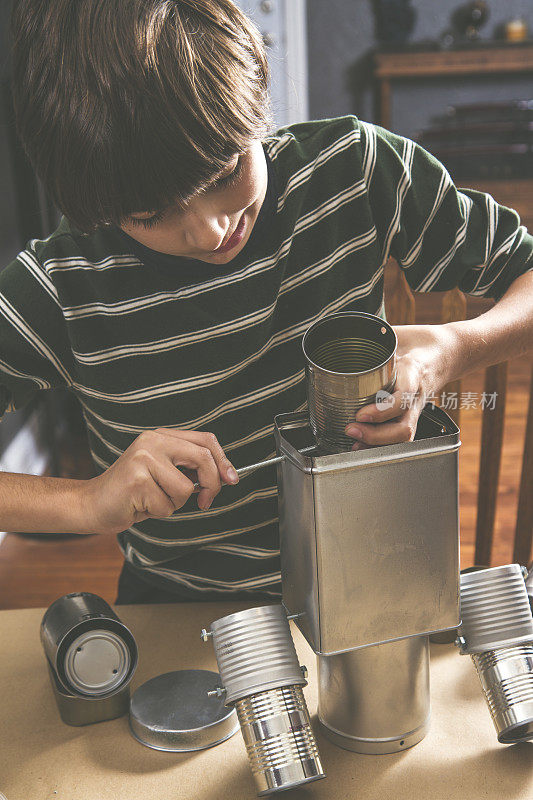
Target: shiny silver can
[
  {"x": 350, "y": 358},
  {"x": 506, "y": 676},
  {"x": 497, "y": 631},
  {"x": 262, "y": 678}
]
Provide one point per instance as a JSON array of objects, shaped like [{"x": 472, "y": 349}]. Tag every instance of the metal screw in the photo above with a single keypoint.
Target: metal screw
[
  {"x": 460, "y": 642},
  {"x": 294, "y": 616},
  {"x": 218, "y": 692},
  {"x": 269, "y": 39},
  {"x": 525, "y": 572},
  {"x": 205, "y": 634},
  {"x": 305, "y": 673},
  {"x": 267, "y": 6}
]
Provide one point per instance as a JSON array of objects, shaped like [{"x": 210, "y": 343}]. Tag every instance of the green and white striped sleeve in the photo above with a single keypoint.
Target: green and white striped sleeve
[
  {"x": 32, "y": 333},
  {"x": 441, "y": 236}
]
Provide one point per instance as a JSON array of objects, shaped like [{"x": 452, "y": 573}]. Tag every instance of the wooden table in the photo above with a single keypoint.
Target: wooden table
[{"x": 43, "y": 759}]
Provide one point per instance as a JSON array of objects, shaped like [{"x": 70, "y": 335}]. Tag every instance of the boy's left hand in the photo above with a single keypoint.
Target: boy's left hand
[{"x": 424, "y": 362}]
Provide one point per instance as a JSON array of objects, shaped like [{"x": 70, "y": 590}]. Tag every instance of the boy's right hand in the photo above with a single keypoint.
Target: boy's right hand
[{"x": 145, "y": 481}]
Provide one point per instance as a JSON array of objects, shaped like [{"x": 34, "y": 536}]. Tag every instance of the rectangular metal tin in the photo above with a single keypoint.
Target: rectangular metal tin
[{"x": 370, "y": 540}]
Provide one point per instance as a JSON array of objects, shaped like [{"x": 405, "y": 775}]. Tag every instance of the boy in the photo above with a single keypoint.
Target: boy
[{"x": 194, "y": 251}]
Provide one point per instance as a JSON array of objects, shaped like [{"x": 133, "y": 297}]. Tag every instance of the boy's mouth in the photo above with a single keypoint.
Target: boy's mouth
[{"x": 235, "y": 238}]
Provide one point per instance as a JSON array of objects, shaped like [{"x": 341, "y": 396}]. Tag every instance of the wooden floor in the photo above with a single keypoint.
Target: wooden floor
[{"x": 34, "y": 570}]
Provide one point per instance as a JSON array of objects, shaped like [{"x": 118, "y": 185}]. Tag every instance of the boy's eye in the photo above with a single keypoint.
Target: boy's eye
[
  {"x": 148, "y": 222},
  {"x": 224, "y": 181},
  {"x": 230, "y": 178}
]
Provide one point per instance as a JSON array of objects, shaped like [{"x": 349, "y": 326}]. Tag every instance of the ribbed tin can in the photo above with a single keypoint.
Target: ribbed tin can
[
  {"x": 279, "y": 739},
  {"x": 255, "y": 651},
  {"x": 262, "y": 678},
  {"x": 350, "y": 357},
  {"x": 506, "y": 676},
  {"x": 529, "y": 587},
  {"x": 495, "y": 609},
  {"x": 497, "y": 631}
]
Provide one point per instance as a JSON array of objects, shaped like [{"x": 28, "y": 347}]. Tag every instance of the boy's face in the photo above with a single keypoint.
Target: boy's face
[{"x": 216, "y": 224}]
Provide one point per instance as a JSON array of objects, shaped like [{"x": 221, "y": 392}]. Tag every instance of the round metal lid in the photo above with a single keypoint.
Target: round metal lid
[
  {"x": 173, "y": 712},
  {"x": 96, "y": 662}
]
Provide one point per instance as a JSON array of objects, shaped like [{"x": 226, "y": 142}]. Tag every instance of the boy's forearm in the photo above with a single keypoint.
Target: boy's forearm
[
  {"x": 502, "y": 333},
  {"x": 33, "y": 504}
]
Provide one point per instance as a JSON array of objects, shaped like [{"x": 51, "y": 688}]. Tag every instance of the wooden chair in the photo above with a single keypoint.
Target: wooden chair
[{"x": 400, "y": 305}]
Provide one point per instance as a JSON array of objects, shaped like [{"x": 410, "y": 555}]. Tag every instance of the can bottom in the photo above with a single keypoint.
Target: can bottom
[
  {"x": 375, "y": 746},
  {"x": 282, "y": 778},
  {"x": 520, "y": 732}
]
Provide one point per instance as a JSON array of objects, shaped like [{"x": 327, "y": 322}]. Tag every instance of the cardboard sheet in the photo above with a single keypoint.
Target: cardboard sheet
[{"x": 43, "y": 759}]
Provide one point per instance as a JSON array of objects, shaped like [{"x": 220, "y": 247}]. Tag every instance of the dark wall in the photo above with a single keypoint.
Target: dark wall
[
  {"x": 341, "y": 37},
  {"x": 10, "y": 239}
]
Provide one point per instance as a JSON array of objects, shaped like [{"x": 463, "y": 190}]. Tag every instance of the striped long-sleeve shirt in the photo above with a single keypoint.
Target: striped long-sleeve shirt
[{"x": 147, "y": 341}]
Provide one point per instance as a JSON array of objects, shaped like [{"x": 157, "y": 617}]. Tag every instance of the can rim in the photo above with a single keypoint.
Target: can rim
[
  {"x": 346, "y": 314},
  {"x": 247, "y": 614}
]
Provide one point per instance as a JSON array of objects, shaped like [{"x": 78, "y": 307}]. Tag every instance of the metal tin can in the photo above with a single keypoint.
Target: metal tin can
[
  {"x": 262, "y": 678},
  {"x": 497, "y": 632},
  {"x": 92, "y": 652},
  {"x": 350, "y": 357},
  {"x": 255, "y": 651}
]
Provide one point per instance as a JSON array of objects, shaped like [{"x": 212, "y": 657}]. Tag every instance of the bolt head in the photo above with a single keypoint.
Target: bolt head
[
  {"x": 205, "y": 635},
  {"x": 218, "y": 692},
  {"x": 305, "y": 671}
]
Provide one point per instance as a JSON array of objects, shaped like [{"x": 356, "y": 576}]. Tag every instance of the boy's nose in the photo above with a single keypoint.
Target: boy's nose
[{"x": 206, "y": 231}]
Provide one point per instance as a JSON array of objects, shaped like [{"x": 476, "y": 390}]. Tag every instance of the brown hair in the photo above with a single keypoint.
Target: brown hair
[{"x": 129, "y": 105}]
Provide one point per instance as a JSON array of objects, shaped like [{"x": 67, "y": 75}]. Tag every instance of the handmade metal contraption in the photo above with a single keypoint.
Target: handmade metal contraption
[
  {"x": 369, "y": 541},
  {"x": 369, "y": 545}
]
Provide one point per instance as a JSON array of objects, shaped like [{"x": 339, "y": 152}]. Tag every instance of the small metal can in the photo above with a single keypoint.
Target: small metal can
[
  {"x": 263, "y": 680},
  {"x": 497, "y": 632},
  {"x": 350, "y": 360},
  {"x": 91, "y": 651}
]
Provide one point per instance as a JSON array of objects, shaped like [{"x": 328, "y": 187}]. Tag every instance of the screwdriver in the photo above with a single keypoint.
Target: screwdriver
[{"x": 260, "y": 464}]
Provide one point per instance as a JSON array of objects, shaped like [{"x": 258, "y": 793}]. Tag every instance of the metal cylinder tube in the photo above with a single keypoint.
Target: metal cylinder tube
[
  {"x": 262, "y": 678},
  {"x": 350, "y": 357},
  {"x": 497, "y": 632},
  {"x": 91, "y": 651},
  {"x": 376, "y": 699}
]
